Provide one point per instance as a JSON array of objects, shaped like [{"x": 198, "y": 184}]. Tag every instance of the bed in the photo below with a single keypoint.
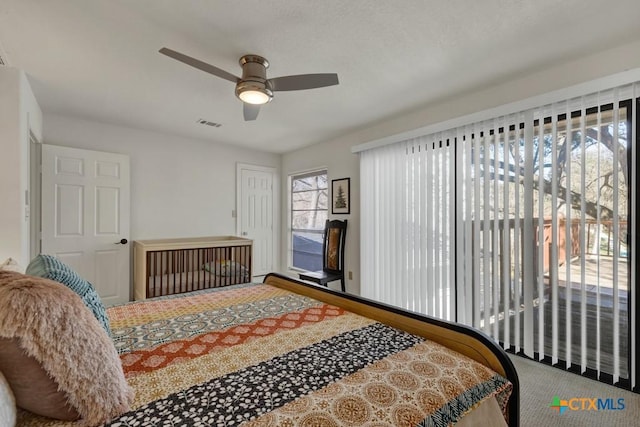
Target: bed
[{"x": 289, "y": 353}]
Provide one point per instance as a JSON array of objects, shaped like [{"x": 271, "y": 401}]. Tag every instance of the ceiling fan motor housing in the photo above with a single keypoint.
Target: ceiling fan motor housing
[{"x": 254, "y": 76}]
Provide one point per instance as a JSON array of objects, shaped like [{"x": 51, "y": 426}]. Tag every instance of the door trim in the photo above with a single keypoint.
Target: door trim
[
  {"x": 35, "y": 195},
  {"x": 275, "y": 205}
]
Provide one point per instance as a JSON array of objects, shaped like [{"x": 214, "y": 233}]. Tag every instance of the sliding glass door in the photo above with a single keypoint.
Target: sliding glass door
[
  {"x": 544, "y": 234},
  {"x": 409, "y": 212},
  {"x": 521, "y": 226}
]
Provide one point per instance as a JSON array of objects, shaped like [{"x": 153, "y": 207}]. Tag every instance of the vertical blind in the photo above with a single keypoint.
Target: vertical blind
[
  {"x": 520, "y": 226},
  {"x": 407, "y": 207}
]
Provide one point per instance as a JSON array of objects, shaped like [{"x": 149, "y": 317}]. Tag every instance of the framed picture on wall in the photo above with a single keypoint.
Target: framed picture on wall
[{"x": 340, "y": 195}]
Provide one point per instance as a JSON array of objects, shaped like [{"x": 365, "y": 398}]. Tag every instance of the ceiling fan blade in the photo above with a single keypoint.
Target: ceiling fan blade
[
  {"x": 303, "y": 81},
  {"x": 250, "y": 111},
  {"x": 208, "y": 68}
]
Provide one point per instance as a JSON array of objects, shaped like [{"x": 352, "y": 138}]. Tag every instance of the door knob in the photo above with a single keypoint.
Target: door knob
[{"x": 122, "y": 242}]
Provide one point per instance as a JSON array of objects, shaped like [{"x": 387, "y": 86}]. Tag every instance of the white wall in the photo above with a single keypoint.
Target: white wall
[
  {"x": 337, "y": 157},
  {"x": 180, "y": 187},
  {"x": 19, "y": 115}
]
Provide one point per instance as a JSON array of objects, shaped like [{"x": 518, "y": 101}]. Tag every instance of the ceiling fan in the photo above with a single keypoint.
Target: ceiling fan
[{"x": 254, "y": 89}]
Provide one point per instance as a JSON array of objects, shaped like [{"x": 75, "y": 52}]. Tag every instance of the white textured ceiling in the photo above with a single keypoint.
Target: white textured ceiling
[{"x": 99, "y": 59}]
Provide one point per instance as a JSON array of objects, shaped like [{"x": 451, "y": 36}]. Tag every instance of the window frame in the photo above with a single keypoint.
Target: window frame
[{"x": 292, "y": 177}]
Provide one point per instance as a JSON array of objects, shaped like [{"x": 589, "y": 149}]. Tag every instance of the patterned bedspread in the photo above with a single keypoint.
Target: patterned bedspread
[{"x": 257, "y": 355}]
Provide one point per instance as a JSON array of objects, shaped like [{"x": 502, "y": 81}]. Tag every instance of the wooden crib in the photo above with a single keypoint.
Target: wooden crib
[{"x": 175, "y": 266}]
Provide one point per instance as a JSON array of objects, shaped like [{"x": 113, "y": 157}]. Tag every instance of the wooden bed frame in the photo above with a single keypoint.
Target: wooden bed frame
[{"x": 463, "y": 339}]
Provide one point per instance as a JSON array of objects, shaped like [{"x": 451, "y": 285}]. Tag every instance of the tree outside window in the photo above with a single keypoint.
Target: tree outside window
[{"x": 309, "y": 209}]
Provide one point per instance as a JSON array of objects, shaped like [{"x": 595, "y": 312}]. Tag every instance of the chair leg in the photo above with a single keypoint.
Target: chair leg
[{"x": 342, "y": 283}]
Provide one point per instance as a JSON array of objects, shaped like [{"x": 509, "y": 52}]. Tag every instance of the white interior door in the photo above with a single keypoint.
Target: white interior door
[
  {"x": 85, "y": 216},
  {"x": 256, "y": 194}
]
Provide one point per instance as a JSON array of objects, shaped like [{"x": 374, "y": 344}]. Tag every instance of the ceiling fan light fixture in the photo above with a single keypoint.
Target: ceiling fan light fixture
[
  {"x": 254, "y": 88},
  {"x": 256, "y": 93},
  {"x": 254, "y": 97}
]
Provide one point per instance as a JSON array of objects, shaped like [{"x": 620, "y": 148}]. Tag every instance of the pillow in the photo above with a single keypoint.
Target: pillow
[
  {"x": 33, "y": 388},
  {"x": 226, "y": 268},
  {"x": 57, "y": 358},
  {"x": 7, "y": 403},
  {"x": 50, "y": 267},
  {"x": 11, "y": 264}
]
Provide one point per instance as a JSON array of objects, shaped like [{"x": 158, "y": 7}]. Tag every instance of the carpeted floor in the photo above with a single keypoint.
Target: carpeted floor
[{"x": 539, "y": 384}]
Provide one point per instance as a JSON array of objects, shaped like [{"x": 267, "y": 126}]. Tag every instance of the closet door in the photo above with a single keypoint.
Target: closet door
[{"x": 256, "y": 213}]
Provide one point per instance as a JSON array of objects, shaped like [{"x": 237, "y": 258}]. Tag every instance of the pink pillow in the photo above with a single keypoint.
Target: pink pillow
[
  {"x": 32, "y": 387},
  {"x": 56, "y": 356}
]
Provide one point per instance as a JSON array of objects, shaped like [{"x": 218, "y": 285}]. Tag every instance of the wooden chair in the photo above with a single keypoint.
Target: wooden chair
[{"x": 333, "y": 242}]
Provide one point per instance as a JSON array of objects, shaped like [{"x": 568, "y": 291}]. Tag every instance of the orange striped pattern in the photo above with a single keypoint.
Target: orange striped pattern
[
  {"x": 146, "y": 360},
  {"x": 160, "y": 383}
]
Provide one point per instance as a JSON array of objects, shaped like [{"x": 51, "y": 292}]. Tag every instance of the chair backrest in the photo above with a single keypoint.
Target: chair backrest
[{"x": 335, "y": 233}]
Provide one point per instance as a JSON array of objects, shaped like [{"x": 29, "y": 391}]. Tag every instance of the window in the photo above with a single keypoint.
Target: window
[{"x": 309, "y": 207}]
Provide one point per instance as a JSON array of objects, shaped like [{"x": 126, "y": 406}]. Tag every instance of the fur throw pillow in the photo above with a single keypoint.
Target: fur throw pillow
[{"x": 53, "y": 327}]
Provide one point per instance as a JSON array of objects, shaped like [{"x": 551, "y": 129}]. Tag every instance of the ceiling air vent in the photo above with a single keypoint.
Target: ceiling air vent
[{"x": 208, "y": 123}]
